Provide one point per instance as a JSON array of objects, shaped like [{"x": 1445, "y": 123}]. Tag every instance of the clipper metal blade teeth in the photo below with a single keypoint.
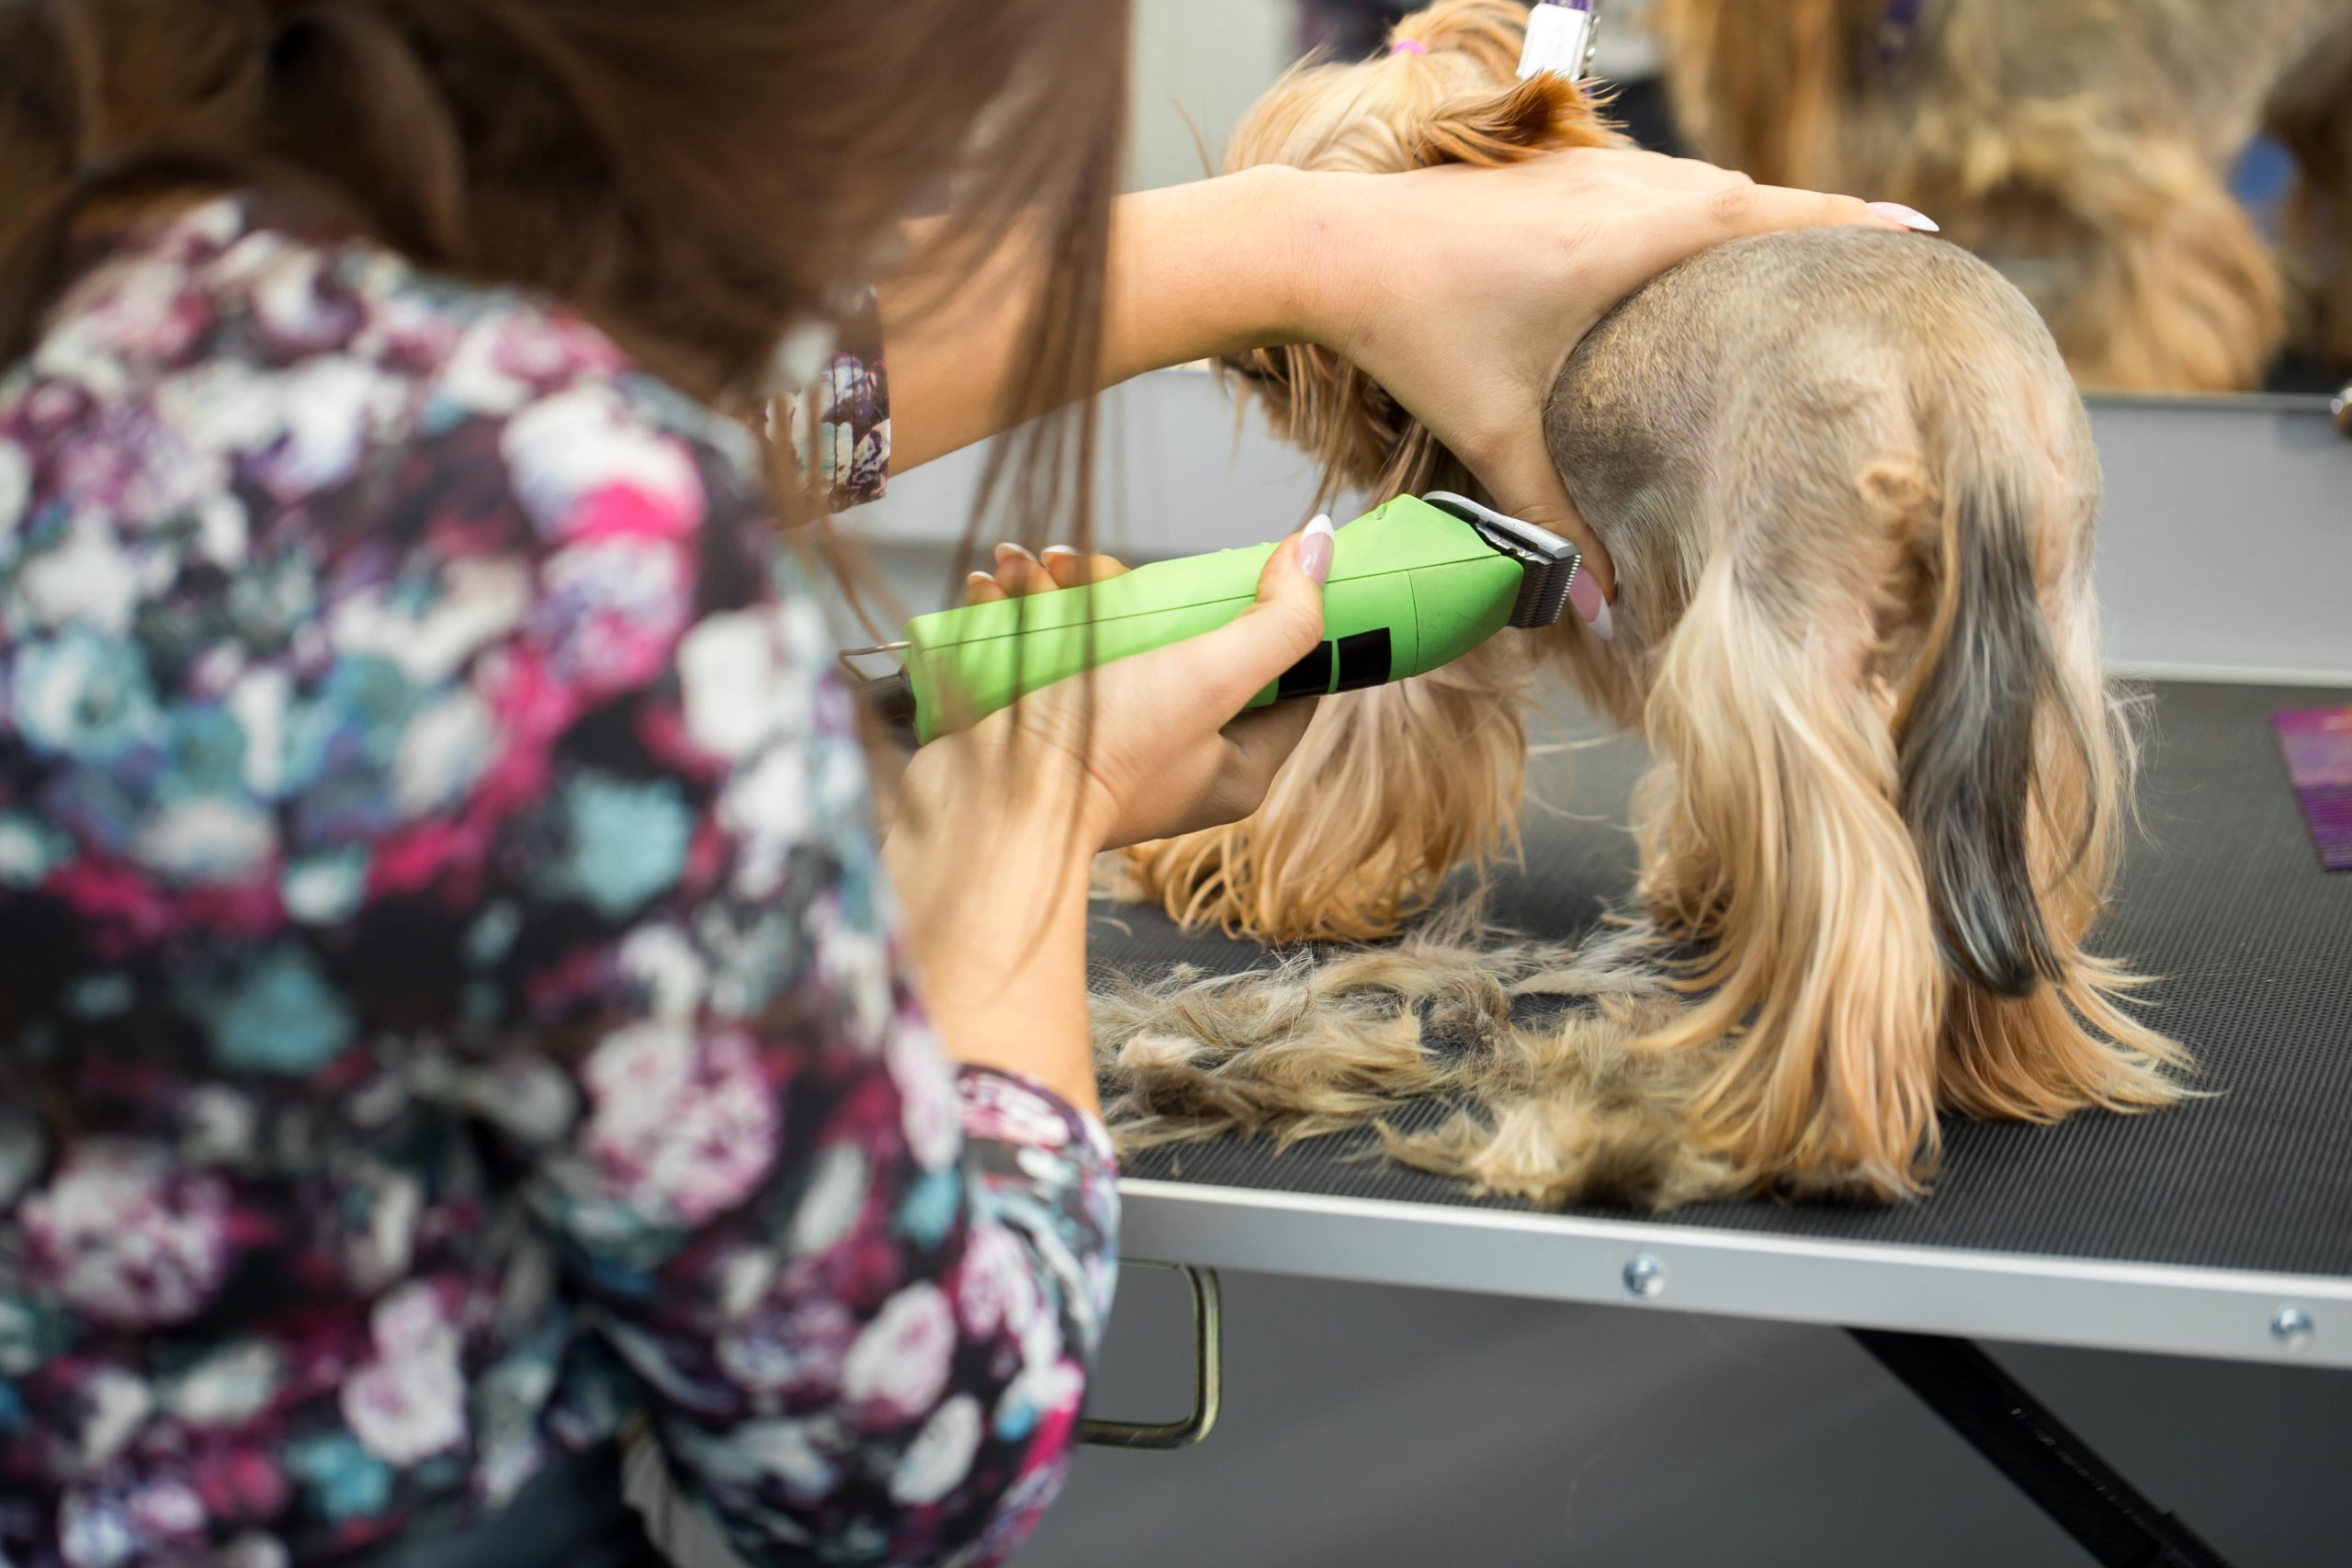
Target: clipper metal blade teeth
[{"x": 1549, "y": 563}]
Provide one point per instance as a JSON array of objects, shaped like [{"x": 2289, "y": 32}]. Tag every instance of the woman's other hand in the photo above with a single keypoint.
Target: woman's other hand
[{"x": 1463, "y": 290}]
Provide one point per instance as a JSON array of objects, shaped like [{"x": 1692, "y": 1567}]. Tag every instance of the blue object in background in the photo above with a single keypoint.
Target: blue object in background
[{"x": 2264, "y": 176}]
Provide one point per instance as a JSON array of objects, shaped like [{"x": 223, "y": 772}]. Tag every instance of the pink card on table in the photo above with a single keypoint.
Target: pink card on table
[{"x": 2318, "y": 743}]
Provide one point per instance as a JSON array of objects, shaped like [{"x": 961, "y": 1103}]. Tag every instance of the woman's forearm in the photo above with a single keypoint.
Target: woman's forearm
[
  {"x": 1026, "y": 1013},
  {"x": 1196, "y": 271},
  {"x": 995, "y": 909}
]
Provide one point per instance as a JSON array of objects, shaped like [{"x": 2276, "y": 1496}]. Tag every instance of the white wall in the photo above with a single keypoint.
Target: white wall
[{"x": 1201, "y": 61}]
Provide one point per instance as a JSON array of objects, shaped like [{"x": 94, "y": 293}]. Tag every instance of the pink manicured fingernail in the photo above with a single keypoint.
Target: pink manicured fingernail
[
  {"x": 1585, "y": 594},
  {"x": 975, "y": 579},
  {"x": 1909, "y": 216},
  {"x": 1009, "y": 552},
  {"x": 1315, "y": 548},
  {"x": 1050, "y": 551}
]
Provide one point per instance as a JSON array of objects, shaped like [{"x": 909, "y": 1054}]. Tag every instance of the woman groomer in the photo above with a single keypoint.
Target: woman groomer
[{"x": 451, "y": 1006}]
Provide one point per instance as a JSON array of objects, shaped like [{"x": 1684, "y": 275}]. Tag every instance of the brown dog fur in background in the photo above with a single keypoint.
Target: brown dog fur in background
[
  {"x": 2084, "y": 147},
  {"x": 1849, "y": 492}
]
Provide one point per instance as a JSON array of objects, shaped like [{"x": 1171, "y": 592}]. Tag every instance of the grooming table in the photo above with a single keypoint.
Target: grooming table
[
  {"x": 2221, "y": 1228},
  {"x": 2186, "y": 1231}
]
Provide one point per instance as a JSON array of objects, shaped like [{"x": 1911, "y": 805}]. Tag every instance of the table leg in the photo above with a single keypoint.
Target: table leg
[
  {"x": 1208, "y": 1375},
  {"x": 2063, "y": 1475}
]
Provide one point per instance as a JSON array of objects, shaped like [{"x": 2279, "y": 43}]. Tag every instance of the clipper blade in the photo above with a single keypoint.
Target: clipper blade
[
  {"x": 1549, "y": 563},
  {"x": 889, "y": 699}
]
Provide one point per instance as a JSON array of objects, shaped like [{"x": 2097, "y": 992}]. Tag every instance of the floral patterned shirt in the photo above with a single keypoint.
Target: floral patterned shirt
[{"x": 451, "y": 1003}]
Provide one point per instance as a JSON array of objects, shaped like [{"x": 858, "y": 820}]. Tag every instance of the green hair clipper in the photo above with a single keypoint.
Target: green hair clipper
[{"x": 1414, "y": 584}]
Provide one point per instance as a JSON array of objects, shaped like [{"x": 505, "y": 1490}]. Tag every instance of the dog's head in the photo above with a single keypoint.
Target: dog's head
[{"x": 1446, "y": 93}]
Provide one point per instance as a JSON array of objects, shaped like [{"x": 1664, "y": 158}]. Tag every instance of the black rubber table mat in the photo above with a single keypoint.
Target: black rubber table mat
[{"x": 2223, "y": 897}]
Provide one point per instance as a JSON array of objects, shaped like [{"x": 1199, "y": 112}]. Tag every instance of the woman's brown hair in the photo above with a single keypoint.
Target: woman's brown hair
[{"x": 694, "y": 176}]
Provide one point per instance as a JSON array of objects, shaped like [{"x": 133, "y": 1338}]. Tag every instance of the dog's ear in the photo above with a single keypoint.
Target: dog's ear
[
  {"x": 1968, "y": 746},
  {"x": 1447, "y": 94},
  {"x": 2016, "y": 769}
]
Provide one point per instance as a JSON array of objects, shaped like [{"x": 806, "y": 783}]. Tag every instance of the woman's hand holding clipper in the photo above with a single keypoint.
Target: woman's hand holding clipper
[
  {"x": 1018, "y": 805},
  {"x": 1165, "y": 752}
]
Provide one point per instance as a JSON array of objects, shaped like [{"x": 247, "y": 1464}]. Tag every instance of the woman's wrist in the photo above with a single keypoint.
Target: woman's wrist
[
  {"x": 992, "y": 876},
  {"x": 1005, "y": 986},
  {"x": 1004, "y": 979},
  {"x": 992, "y": 786}
]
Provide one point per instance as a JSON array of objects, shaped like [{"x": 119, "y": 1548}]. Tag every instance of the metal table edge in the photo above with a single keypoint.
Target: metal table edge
[{"x": 2165, "y": 1309}]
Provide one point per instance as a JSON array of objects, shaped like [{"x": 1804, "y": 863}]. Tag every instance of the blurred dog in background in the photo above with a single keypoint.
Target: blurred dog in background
[{"x": 2082, "y": 146}]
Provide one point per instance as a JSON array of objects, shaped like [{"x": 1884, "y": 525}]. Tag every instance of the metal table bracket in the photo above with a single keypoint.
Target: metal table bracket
[
  {"x": 2065, "y": 1478},
  {"x": 1208, "y": 1375}
]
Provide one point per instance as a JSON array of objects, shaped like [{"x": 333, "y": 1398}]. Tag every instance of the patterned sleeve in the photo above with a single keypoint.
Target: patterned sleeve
[
  {"x": 857, "y": 1294},
  {"x": 839, "y": 424}
]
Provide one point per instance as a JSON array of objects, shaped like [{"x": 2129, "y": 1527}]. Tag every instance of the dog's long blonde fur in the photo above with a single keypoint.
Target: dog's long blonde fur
[
  {"x": 1849, "y": 492},
  {"x": 2083, "y": 146}
]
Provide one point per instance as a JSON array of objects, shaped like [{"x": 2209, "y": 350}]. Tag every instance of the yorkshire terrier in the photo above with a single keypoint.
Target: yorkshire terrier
[
  {"x": 2083, "y": 147},
  {"x": 1849, "y": 491}
]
